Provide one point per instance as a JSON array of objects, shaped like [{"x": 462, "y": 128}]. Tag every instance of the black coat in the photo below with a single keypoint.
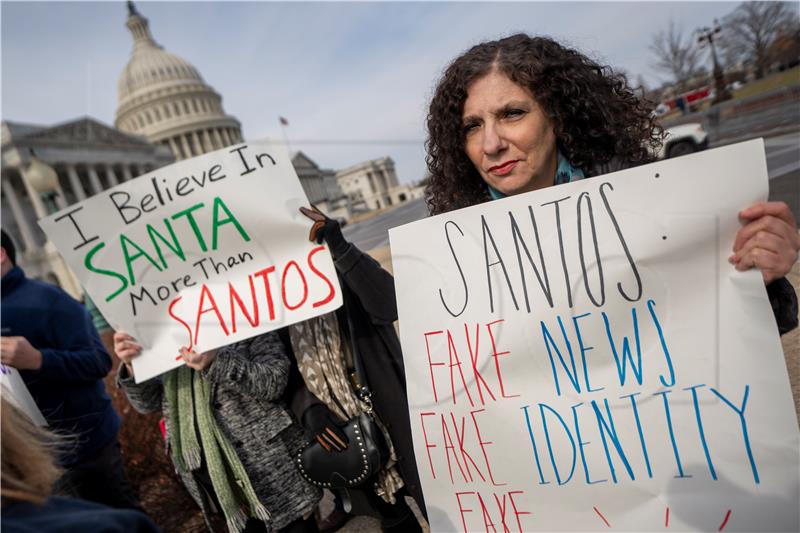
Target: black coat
[{"x": 369, "y": 313}]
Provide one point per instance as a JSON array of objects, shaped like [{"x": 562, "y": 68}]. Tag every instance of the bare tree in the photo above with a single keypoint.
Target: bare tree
[
  {"x": 752, "y": 27},
  {"x": 675, "y": 55}
]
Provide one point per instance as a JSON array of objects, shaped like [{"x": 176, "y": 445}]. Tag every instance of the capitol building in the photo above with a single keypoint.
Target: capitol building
[
  {"x": 163, "y": 98},
  {"x": 166, "y": 112}
]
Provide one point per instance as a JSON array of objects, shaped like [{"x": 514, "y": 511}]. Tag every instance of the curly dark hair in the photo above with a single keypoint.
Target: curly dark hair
[{"x": 599, "y": 121}]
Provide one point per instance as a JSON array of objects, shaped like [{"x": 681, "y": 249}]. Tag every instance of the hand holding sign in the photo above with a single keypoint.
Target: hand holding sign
[
  {"x": 768, "y": 241},
  {"x": 126, "y": 349},
  {"x": 198, "y": 361},
  {"x": 327, "y": 230}
]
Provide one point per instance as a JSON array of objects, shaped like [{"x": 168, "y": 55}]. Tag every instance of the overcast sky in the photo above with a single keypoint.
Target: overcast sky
[{"x": 341, "y": 73}]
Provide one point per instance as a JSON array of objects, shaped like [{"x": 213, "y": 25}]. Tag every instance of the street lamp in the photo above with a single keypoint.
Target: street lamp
[
  {"x": 44, "y": 181},
  {"x": 706, "y": 34}
]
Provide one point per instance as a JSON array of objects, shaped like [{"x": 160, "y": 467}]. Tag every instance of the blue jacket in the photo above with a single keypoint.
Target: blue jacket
[
  {"x": 68, "y": 515},
  {"x": 68, "y": 388}
]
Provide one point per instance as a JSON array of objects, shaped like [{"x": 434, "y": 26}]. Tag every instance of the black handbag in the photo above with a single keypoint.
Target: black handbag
[
  {"x": 366, "y": 453},
  {"x": 364, "y": 456}
]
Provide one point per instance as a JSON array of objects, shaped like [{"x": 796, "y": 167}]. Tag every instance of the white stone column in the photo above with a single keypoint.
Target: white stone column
[
  {"x": 94, "y": 180},
  {"x": 111, "y": 176},
  {"x": 207, "y": 141},
  {"x": 126, "y": 173},
  {"x": 226, "y": 138},
  {"x": 75, "y": 183},
  {"x": 385, "y": 180},
  {"x": 218, "y": 138},
  {"x": 61, "y": 198},
  {"x": 197, "y": 144},
  {"x": 187, "y": 152},
  {"x": 19, "y": 214},
  {"x": 174, "y": 147}
]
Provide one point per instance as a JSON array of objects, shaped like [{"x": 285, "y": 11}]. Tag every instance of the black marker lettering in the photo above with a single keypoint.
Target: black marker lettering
[
  {"x": 585, "y": 196},
  {"x": 624, "y": 247},
  {"x": 561, "y": 247},
  {"x": 69, "y": 215},
  {"x": 488, "y": 233},
  {"x": 460, "y": 272}
]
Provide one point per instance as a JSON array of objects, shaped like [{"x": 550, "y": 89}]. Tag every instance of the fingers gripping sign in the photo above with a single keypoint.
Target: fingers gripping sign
[
  {"x": 126, "y": 349},
  {"x": 198, "y": 361},
  {"x": 768, "y": 240}
]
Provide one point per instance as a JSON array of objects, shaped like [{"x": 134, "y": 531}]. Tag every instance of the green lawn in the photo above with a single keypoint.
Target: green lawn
[{"x": 786, "y": 78}]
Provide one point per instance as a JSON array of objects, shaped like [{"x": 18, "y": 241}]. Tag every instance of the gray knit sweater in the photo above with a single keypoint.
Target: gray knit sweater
[{"x": 248, "y": 379}]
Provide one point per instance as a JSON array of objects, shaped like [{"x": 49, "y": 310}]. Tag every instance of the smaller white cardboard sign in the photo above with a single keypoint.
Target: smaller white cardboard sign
[
  {"x": 14, "y": 390},
  {"x": 202, "y": 253}
]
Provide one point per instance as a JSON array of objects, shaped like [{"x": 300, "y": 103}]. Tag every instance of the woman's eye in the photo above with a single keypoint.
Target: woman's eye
[
  {"x": 513, "y": 113},
  {"x": 469, "y": 127}
]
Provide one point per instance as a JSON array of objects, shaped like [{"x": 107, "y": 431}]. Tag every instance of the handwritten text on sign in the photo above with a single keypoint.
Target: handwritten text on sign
[
  {"x": 199, "y": 254},
  {"x": 588, "y": 359}
]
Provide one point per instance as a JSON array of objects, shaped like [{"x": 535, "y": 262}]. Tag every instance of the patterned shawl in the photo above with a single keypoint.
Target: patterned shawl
[{"x": 322, "y": 358}]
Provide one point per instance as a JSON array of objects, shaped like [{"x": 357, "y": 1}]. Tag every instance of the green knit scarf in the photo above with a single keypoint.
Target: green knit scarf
[{"x": 189, "y": 397}]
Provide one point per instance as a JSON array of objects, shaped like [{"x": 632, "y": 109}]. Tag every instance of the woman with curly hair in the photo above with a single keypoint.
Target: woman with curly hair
[{"x": 523, "y": 113}]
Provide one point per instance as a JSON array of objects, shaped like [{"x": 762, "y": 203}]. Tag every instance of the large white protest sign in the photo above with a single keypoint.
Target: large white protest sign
[
  {"x": 15, "y": 390},
  {"x": 584, "y": 357},
  {"x": 200, "y": 254}
]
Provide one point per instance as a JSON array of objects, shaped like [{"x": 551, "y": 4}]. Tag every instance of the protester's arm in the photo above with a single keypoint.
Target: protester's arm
[
  {"x": 145, "y": 397},
  {"x": 768, "y": 240},
  {"x": 315, "y": 416},
  {"x": 79, "y": 354},
  {"x": 363, "y": 275},
  {"x": 258, "y": 365},
  {"x": 783, "y": 299},
  {"x": 371, "y": 284}
]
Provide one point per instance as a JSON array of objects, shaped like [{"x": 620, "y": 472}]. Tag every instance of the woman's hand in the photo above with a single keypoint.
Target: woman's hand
[
  {"x": 768, "y": 240},
  {"x": 326, "y": 229},
  {"x": 126, "y": 348},
  {"x": 198, "y": 361},
  {"x": 324, "y": 425}
]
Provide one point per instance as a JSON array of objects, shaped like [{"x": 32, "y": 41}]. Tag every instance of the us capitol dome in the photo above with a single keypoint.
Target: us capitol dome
[{"x": 163, "y": 98}]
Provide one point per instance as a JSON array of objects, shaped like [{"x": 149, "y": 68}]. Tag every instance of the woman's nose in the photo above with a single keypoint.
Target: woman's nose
[{"x": 493, "y": 141}]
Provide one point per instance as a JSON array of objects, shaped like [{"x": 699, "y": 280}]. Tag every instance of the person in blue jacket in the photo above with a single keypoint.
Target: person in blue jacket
[
  {"x": 49, "y": 337},
  {"x": 28, "y": 475}
]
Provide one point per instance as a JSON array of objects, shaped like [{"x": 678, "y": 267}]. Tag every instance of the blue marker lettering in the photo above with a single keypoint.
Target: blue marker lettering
[
  {"x": 608, "y": 427},
  {"x": 535, "y": 451},
  {"x": 663, "y": 394},
  {"x": 580, "y": 445},
  {"x": 542, "y": 407},
  {"x": 583, "y": 349},
  {"x": 639, "y": 429},
  {"x": 651, "y": 304},
  {"x": 740, "y": 412},
  {"x": 700, "y": 428},
  {"x": 626, "y": 350},
  {"x": 548, "y": 341}
]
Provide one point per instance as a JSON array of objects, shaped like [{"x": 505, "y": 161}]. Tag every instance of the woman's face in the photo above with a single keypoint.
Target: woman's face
[{"x": 507, "y": 135}]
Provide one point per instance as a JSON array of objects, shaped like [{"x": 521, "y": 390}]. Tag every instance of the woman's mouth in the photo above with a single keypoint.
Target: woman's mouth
[{"x": 502, "y": 170}]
